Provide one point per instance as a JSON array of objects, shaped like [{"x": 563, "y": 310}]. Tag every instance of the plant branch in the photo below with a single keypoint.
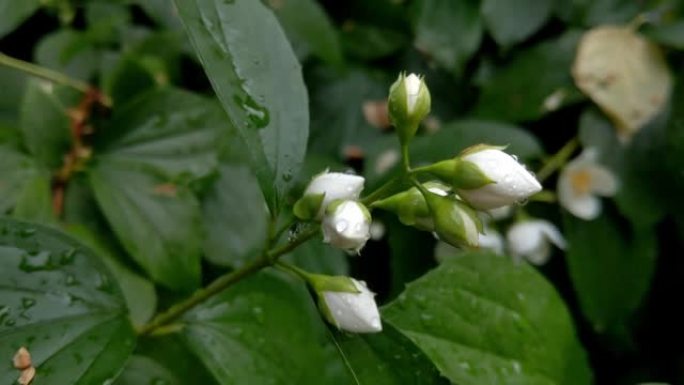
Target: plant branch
[
  {"x": 51, "y": 75},
  {"x": 558, "y": 160},
  {"x": 221, "y": 283}
]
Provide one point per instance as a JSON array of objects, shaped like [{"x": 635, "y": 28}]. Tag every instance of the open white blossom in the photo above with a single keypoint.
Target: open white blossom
[
  {"x": 532, "y": 240},
  {"x": 346, "y": 225},
  {"x": 511, "y": 182},
  {"x": 335, "y": 185},
  {"x": 581, "y": 183},
  {"x": 353, "y": 312}
]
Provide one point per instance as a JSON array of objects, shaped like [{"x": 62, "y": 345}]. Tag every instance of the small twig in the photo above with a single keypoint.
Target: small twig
[
  {"x": 53, "y": 76},
  {"x": 558, "y": 160}
]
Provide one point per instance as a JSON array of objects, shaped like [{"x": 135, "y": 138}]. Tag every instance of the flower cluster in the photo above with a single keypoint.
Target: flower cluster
[{"x": 455, "y": 199}]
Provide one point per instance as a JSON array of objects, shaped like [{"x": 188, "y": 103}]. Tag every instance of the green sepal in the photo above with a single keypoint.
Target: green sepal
[
  {"x": 307, "y": 207},
  {"x": 459, "y": 173},
  {"x": 449, "y": 215},
  {"x": 480, "y": 147},
  {"x": 336, "y": 283},
  {"x": 410, "y": 206}
]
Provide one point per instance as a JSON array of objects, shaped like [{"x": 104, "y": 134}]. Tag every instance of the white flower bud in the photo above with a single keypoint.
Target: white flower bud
[
  {"x": 353, "y": 312},
  {"x": 334, "y": 186},
  {"x": 510, "y": 181},
  {"x": 532, "y": 240},
  {"x": 346, "y": 225}
]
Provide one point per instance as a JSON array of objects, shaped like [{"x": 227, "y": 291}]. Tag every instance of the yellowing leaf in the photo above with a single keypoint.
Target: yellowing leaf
[{"x": 625, "y": 74}]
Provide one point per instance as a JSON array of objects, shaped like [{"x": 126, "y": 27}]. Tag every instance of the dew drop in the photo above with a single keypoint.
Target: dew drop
[{"x": 27, "y": 302}]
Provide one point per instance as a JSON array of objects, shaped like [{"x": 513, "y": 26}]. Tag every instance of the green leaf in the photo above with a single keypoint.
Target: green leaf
[
  {"x": 16, "y": 169},
  {"x": 264, "y": 330},
  {"x": 259, "y": 83},
  {"x": 69, "y": 52},
  {"x": 63, "y": 305},
  {"x": 34, "y": 203},
  {"x": 482, "y": 319},
  {"x": 13, "y": 84},
  {"x": 642, "y": 159},
  {"x": 456, "y": 136},
  {"x": 599, "y": 12},
  {"x": 387, "y": 358},
  {"x": 337, "y": 119},
  {"x": 449, "y": 31},
  {"x": 371, "y": 42},
  {"x": 169, "y": 354},
  {"x": 235, "y": 216},
  {"x": 45, "y": 125},
  {"x": 524, "y": 88},
  {"x": 611, "y": 265},
  {"x": 157, "y": 222},
  {"x": 671, "y": 35},
  {"x": 106, "y": 20},
  {"x": 309, "y": 29},
  {"x": 317, "y": 257},
  {"x": 13, "y": 13},
  {"x": 127, "y": 79},
  {"x": 407, "y": 247},
  {"x": 141, "y": 370},
  {"x": 512, "y": 21},
  {"x": 141, "y": 298},
  {"x": 167, "y": 131}
]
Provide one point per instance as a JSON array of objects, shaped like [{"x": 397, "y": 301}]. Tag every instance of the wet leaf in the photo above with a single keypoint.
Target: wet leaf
[{"x": 60, "y": 302}]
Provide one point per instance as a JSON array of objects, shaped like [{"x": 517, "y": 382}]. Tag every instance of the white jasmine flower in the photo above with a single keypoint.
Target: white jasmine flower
[
  {"x": 353, "y": 312},
  {"x": 346, "y": 225},
  {"x": 491, "y": 240},
  {"x": 510, "y": 181},
  {"x": 532, "y": 240},
  {"x": 335, "y": 185},
  {"x": 581, "y": 182}
]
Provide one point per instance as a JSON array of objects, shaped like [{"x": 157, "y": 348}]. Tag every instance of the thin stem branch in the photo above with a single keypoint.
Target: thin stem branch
[
  {"x": 558, "y": 160},
  {"x": 50, "y": 75},
  {"x": 223, "y": 282}
]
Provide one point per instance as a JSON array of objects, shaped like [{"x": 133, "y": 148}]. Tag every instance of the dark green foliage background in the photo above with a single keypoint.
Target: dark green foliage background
[{"x": 222, "y": 111}]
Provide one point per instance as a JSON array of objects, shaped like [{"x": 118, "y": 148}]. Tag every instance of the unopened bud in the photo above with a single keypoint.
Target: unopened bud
[{"x": 408, "y": 103}]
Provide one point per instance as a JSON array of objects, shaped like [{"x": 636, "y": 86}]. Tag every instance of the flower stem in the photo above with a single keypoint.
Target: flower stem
[
  {"x": 221, "y": 283},
  {"x": 50, "y": 75},
  {"x": 558, "y": 160}
]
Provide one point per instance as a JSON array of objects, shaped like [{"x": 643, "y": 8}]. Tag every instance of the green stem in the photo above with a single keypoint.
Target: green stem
[
  {"x": 405, "y": 158},
  {"x": 385, "y": 190},
  {"x": 48, "y": 74},
  {"x": 290, "y": 268},
  {"x": 558, "y": 160},
  {"x": 221, "y": 283}
]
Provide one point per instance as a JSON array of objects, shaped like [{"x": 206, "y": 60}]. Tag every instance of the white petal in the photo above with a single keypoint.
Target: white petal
[
  {"x": 603, "y": 181},
  {"x": 540, "y": 255},
  {"x": 585, "y": 207},
  {"x": 348, "y": 227},
  {"x": 412, "y": 85},
  {"x": 524, "y": 238},
  {"x": 354, "y": 312},
  {"x": 335, "y": 185},
  {"x": 492, "y": 240},
  {"x": 512, "y": 181},
  {"x": 552, "y": 233}
]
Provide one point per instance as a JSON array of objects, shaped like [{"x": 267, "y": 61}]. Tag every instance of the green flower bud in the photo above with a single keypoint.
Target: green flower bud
[
  {"x": 408, "y": 104},
  {"x": 410, "y": 205},
  {"x": 455, "y": 222},
  {"x": 308, "y": 206}
]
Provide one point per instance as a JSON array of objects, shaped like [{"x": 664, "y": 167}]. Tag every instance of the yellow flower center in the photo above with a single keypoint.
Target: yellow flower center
[{"x": 580, "y": 181}]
